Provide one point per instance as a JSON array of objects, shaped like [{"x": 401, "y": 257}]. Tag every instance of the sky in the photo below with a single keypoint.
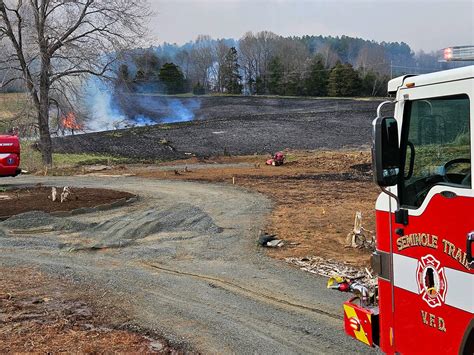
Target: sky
[{"x": 423, "y": 24}]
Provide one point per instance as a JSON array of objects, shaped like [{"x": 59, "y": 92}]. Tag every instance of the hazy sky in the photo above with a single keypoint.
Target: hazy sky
[{"x": 427, "y": 25}]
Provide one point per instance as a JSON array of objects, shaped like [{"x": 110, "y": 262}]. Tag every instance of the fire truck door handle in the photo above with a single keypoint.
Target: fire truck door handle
[{"x": 470, "y": 240}]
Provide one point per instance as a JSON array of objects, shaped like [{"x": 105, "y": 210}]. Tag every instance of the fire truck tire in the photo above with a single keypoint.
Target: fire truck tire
[{"x": 467, "y": 347}]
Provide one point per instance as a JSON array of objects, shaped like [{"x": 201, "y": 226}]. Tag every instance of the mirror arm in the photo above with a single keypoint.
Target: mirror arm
[
  {"x": 379, "y": 108},
  {"x": 412, "y": 160},
  {"x": 391, "y": 194}
]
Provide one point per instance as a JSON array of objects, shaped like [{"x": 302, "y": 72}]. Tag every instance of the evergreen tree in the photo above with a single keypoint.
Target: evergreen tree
[
  {"x": 293, "y": 85},
  {"x": 276, "y": 76},
  {"x": 198, "y": 89},
  {"x": 344, "y": 81},
  {"x": 373, "y": 84},
  {"x": 260, "y": 88},
  {"x": 230, "y": 73},
  {"x": 123, "y": 80},
  {"x": 124, "y": 74},
  {"x": 172, "y": 78},
  {"x": 316, "y": 81},
  {"x": 148, "y": 65}
]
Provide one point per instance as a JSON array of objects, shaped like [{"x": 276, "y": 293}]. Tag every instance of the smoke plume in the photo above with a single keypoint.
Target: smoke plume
[{"x": 110, "y": 108}]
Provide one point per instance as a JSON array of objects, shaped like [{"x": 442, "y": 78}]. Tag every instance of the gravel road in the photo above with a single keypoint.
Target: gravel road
[{"x": 183, "y": 262}]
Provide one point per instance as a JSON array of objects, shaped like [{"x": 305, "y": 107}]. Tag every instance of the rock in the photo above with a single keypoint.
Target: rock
[
  {"x": 93, "y": 168},
  {"x": 276, "y": 243},
  {"x": 265, "y": 238},
  {"x": 156, "y": 346}
]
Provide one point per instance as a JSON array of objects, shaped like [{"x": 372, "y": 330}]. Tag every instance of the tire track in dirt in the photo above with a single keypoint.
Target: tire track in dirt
[{"x": 246, "y": 292}]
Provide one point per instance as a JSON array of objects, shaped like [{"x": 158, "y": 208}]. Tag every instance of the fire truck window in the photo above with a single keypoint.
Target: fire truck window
[{"x": 438, "y": 132}]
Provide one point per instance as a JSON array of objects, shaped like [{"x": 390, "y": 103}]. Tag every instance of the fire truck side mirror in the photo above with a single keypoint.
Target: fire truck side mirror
[
  {"x": 470, "y": 259},
  {"x": 385, "y": 151}
]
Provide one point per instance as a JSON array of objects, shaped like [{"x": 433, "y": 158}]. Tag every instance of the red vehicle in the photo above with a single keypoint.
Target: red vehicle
[
  {"x": 422, "y": 156},
  {"x": 9, "y": 156}
]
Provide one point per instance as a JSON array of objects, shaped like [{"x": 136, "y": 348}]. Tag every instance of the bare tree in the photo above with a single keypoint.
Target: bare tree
[
  {"x": 257, "y": 50},
  {"x": 55, "y": 44},
  {"x": 222, "y": 49},
  {"x": 293, "y": 53},
  {"x": 183, "y": 59},
  {"x": 202, "y": 56},
  {"x": 249, "y": 60},
  {"x": 372, "y": 58},
  {"x": 329, "y": 55}
]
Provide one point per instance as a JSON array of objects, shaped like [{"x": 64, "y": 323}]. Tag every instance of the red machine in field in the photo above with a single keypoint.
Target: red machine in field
[{"x": 9, "y": 156}]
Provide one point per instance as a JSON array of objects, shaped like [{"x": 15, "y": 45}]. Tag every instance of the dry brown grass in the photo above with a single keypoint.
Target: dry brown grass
[{"x": 43, "y": 315}]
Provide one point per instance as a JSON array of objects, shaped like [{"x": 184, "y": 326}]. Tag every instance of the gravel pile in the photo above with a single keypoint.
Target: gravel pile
[
  {"x": 117, "y": 232},
  {"x": 123, "y": 231},
  {"x": 38, "y": 219}
]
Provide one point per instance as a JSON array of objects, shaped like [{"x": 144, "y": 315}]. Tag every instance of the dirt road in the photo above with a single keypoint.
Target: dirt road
[{"x": 183, "y": 262}]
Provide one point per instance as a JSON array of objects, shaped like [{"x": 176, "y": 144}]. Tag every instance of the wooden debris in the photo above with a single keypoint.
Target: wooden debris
[
  {"x": 332, "y": 268},
  {"x": 96, "y": 168},
  {"x": 54, "y": 194},
  {"x": 360, "y": 237},
  {"x": 65, "y": 194}
]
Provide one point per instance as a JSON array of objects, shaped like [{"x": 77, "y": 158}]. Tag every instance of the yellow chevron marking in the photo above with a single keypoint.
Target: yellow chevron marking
[{"x": 360, "y": 334}]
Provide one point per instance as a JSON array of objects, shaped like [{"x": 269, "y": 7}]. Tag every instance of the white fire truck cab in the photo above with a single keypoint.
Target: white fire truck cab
[{"x": 422, "y": 153}]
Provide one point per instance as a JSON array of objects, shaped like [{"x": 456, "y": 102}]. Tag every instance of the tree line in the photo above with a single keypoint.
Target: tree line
[
  {"x": 265, "y": 63},
  {"x": 315, "y": 78}
]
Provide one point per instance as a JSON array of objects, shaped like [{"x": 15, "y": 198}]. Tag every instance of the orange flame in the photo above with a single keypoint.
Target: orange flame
[{"x": 70, "y": 122}]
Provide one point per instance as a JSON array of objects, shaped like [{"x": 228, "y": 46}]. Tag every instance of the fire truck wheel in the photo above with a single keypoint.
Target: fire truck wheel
[{"x": 467, "y": 347}]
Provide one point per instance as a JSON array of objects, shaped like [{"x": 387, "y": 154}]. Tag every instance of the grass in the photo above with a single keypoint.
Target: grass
[
  {"x": 31, "y": 159},
  {"x": 62, "y": 160},
  {"x": 11, "y": 104},
  {"x": 15, "y": 111}
]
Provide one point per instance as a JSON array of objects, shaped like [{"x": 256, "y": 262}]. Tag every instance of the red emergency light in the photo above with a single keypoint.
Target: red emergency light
[{"x": 458, "y": 53}]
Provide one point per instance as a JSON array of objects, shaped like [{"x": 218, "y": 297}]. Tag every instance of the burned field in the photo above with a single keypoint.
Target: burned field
[{"x": 234, "y": 126}]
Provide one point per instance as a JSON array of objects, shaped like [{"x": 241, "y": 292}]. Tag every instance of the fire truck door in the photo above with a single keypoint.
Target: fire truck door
[{"x": 433, "y": 282}]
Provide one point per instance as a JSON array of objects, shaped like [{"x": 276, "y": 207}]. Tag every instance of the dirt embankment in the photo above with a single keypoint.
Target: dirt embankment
[{"x": 39, "y": 198}]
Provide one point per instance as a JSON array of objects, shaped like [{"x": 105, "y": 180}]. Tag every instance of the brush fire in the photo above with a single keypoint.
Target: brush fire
[{"x": 69, "y": 123}]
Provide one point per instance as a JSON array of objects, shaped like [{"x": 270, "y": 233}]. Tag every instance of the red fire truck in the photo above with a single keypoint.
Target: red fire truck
[
  {"x": 422, "y": 153},
  {"x": 9, "y": 156}
]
